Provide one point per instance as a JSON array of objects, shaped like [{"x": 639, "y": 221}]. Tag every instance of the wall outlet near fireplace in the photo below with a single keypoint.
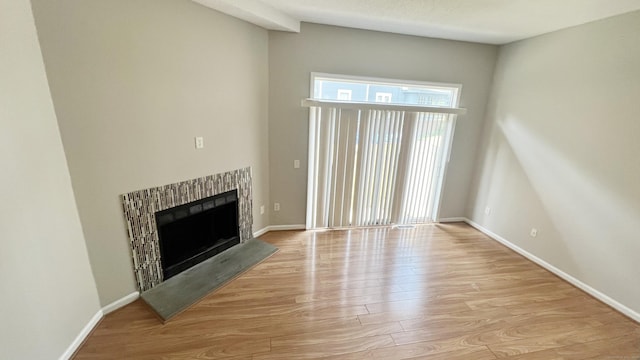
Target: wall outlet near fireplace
[
  {"x": 276, "y": 206},
  {"x": 199, "y": 142},
  {"x": 261, "y": 209}
]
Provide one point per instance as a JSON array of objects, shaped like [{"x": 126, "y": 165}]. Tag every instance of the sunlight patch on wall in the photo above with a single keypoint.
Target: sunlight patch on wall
[{"x": 592, "y": 218}]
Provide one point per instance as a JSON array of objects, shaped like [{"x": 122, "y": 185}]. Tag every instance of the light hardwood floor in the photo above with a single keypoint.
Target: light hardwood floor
[{"x": 434, "y": 292}]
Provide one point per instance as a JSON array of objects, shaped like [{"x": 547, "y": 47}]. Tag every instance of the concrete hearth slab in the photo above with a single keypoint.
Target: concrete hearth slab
[{"x": 183, "y": 290}]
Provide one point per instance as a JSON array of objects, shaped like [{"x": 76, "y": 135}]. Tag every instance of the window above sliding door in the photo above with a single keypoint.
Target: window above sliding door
[{"x": 375, "y": 90}]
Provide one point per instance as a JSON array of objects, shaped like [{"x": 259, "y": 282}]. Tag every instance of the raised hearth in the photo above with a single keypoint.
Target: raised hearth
[{"x": 185, "y": 289}]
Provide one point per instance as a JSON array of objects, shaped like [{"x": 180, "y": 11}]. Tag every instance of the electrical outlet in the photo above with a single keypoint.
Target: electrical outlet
[
  {"x": 534, "y": 232},
  {"x": 487, "y": 211},
  {"x": 199, "y": 142},
  {"x": 276, "y": 206},
  {"x": 261, "y": 209}
]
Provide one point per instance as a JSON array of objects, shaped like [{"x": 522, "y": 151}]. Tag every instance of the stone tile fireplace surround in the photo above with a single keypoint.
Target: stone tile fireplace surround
[{"x": 140, "y": 208}]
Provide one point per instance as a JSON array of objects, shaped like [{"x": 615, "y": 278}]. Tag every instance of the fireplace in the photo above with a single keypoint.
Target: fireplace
[
  {"x": 140, "y": 208},
  {"x": 191, "y": 233}
]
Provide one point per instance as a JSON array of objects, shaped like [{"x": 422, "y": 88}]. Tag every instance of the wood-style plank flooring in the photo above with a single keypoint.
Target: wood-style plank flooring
[{"x": 434, "y": 292}]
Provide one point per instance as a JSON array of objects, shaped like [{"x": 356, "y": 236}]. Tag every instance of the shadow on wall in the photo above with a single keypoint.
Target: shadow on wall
[{"x": 597, "y": 225}]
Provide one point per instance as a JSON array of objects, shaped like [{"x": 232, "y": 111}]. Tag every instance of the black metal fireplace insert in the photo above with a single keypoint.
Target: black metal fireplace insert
[{"x": 194, "y": 232}]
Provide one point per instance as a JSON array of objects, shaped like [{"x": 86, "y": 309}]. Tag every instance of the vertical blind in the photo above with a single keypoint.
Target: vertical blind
[{"x": 372, "y": 166}]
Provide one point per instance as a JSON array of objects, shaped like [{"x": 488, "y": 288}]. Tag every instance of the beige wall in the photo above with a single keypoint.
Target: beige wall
[
  {"x": 133, "y": 82},
  {"x": 48, "y": 291},
  {"x": 560, "y": 153},
  {"x": 337, "y": 50}
]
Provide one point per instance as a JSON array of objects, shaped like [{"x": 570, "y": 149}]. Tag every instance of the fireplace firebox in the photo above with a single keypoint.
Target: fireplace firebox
[{"x": 194, "y": 232}]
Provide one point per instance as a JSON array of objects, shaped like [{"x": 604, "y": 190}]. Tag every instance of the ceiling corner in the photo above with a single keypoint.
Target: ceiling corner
[{"x": 255, "y": 12}]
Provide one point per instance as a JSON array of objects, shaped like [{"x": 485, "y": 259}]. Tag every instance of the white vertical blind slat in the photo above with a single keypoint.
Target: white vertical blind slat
[
  {"x": 370, "y": 170},
  {"x": 431, "y": 151},
  {"x": 312, "y": 195},
  {"x": 396, "y": 147},
  {"x": 382, "y": 167},
  {"x": 355, "y": 173},
  {"x": 389, "y": 171},
  {"x": 373, "y": 170},
  {"x": 341, "y": 178},
  {"x": 389, "y": 153},
  {"x": 364, "y": 167},
  {"x": 409, "y": 175},
  {"x": 425, "y": 160},
  {"x": 364, "y": 145},
  {"x": 434, "y": 166},
  {"x": 415, "y": 169}
]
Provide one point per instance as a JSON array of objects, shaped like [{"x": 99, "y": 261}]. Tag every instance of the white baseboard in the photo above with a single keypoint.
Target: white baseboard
[
  {"x": 83, "y": 335},
  {"x": 287, "y": 227},
  {"x": 278, "y": 228},
  {"x": 95, "y": 320},
  {"x": 120, "y": 303},
  {"x": 260, "y": 232},
  {"x": 452, "y": 219},
  {"x": 563, "y": 275}
]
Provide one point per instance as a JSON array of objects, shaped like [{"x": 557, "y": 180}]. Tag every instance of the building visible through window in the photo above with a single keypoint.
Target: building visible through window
[
  {"x": 349, "y": 88},
  {"x": 344, "y": 95},
  {"x": 383, "y": 97}
]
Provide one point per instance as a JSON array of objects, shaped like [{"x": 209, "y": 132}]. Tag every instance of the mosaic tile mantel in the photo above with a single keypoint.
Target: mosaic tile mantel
[{"x": 140, "y": 208}]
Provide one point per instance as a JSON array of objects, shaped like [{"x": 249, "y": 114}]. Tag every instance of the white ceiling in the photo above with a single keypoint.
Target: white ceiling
[{"x": 484, "y": 21}]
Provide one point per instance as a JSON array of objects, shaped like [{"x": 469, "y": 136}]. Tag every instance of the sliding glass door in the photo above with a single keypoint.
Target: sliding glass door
[{"x": 376, "y": 163}]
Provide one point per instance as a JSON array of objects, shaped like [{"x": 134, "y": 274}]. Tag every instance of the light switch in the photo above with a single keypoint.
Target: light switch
[
  {"x": 199, "y": 142},
  {"x": 296, "y": 164}
]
